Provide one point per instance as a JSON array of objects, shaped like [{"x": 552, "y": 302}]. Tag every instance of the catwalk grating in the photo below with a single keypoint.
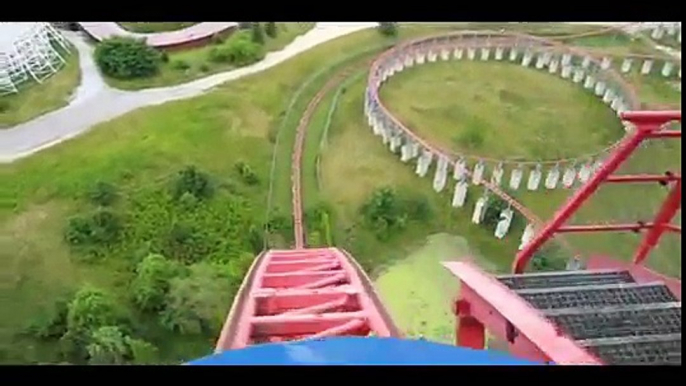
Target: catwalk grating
[
  {"x": 597, "y": 296},
  {"x": 654, "y": 350},
  {"x": 612, "y": 322},
  {"x": 564, "y": 279}
]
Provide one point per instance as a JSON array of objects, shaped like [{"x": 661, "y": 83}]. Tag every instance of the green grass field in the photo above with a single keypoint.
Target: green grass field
[
  {"x": 500, "y": 110},
  {"x": 198, "y": 61},
  {"x": 150, "y": 27},
  {"x": 36, "y": 99}
]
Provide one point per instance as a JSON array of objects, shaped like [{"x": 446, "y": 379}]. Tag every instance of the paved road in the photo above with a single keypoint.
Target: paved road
[{"x": 95, "y": 102}]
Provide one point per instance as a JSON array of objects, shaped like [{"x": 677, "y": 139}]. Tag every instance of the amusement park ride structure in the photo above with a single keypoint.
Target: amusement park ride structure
[{"x": 610, "y": 313}]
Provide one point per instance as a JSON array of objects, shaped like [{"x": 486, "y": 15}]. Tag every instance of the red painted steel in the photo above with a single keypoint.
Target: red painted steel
[
  {"x": 291, "y": 295},
  {"x": 485, "y": 301},
  {"x": 649, "y": 124}
]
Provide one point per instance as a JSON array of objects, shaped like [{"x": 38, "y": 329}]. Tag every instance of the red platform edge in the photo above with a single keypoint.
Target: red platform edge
[
  {"x": 484, "y": 302},
  {"x": 304, "y": 294}
]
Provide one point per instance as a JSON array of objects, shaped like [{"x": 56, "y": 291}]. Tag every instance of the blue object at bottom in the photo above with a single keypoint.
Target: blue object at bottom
[{"x": 361, "y": 351}]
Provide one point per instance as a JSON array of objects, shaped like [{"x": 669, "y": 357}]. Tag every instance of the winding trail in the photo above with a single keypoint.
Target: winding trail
[{"x": 95, "y": 102}]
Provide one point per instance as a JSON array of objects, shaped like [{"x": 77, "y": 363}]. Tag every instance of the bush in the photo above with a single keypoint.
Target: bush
[
  {"x": 204, "y": 67},
  {"x": 184, "y": 244},
  {"x": 257, "y": 33},
  {"x": 127, "y": 58},
  {"x": 191, "y": 180},
  {"x": 151, "y": 284},
  {"x": 388, "y": 29},
  {"x": 270, "y": 29},
  {"x": 384, "y": 213},
  {"x": 246, "y": 173},
  {"x": 101, "y": 227},
  {"x": 103, "y": 194},
  {"x": 180, "y": 65},
  {"x": 418, "y": 208},
  {"x": 165, "y": 57},
  {"x": 217, "y": 40},
  {"x": 238, "y": 51}
]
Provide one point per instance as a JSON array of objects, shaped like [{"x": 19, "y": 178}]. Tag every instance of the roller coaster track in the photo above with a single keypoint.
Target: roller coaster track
[
  {"x": 305, "y": 293},
  {"x": 312, "y": 293}
]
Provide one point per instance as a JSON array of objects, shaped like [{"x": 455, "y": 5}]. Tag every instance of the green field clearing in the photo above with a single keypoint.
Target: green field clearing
[
  {"x": 35, "y": 99},
  {"x": 500, "y": 110}
]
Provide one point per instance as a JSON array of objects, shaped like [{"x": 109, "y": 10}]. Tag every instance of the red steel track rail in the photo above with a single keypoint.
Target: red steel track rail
[{"x": 304, "y": 293}]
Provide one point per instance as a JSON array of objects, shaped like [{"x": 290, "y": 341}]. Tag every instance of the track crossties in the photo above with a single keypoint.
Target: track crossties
[
  {"x": 304, "y": 294},
  {"x": 607, "y": 313}
]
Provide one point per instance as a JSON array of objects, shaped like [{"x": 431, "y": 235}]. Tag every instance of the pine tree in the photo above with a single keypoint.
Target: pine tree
[
  {"x": 257, "y": 33},
  {"x": 270, "y": 29}
]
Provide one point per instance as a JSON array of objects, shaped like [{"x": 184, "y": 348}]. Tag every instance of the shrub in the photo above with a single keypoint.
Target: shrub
[
  {"x": 270, "y": 29},
  {"x": 52, "y": 324},
  {"x": 101, "y": 227},
  {"x": 383, "y": 213},
  {"x": 165, "y": 57},
  {"x": 151, "y": 284},
  {"x": 185, "y": 244},
  {"x": 549, "y": 258},
  {"x": 204, "y": 67},
  {"x": 216, "y": 39},
  {"x": 239, "y": 51},
  {"x": 219, "y": 55},
  {"x": 257, "y": 33},
  {"x": 191, "y": 180},
  {"x": 180, "y": 65},
  {"x": 388, "y": 29},
  {"x": 127, "y": 58},
  {"x": 103, "y": 194},
  {"x": 246, "y": 173},
  {"x": 418, "y": 208}
]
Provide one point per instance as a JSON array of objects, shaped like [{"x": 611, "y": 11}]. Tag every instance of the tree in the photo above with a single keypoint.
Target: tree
[
  {"x": 388, "y": 29},
  {"x": 197, "y": 303},
  {"x": 270, "y": 29},
  {"x": 127, "y": 58},
  {"x": 90, "y": 309},
  {"x": 108, "y": 346},
  {"x": 257, "y": 33},
  {"x": 191, "y": 180},
  {"x": 151, "y": 284}
]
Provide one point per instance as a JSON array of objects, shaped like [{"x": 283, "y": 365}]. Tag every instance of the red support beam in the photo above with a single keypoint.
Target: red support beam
[
  {"x": 604, "y": 228},
  {"x": 531, "y": 334},
  {"x": 669, "y": 208},
  {"x": 649, "y": 123},
  {"x": 644, "y": 178}
]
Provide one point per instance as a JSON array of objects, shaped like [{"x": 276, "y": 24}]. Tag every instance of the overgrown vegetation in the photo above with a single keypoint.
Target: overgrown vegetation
[
  {"x": 127, "y": 58},
  {"x": 385, "y": 213},
  {"x": 388, "y": 29}
]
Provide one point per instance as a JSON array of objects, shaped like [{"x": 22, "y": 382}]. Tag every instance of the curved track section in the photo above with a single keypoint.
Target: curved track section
[
  {"x": 195, "y": 34},
  {"x": 305, "y": 293}
]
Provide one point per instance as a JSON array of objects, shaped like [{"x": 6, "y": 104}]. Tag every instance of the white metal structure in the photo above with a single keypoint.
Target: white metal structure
[{"x": 28, "y": 51}]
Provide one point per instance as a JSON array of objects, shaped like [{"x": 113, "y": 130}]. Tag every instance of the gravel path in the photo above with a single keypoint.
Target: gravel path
[{"x": 95, "y": 102}]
